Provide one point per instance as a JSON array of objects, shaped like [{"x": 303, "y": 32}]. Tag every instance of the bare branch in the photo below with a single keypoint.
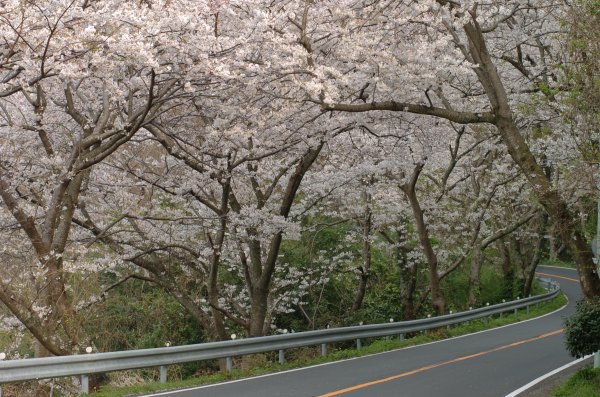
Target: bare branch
[{"x": 392, "y": 106}]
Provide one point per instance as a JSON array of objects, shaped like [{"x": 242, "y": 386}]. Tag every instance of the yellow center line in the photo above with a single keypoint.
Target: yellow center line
[
  {"x": 432, "y": 366},
  {"x": 557, "y": 276}
]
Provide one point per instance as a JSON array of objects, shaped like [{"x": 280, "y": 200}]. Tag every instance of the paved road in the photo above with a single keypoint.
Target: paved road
[{"x": 487, "y": 364}]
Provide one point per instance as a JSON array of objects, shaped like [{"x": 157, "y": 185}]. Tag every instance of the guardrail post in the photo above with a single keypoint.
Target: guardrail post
[
  {"x": 527, "y": 309},
  {"x": 228, "y": 364},
  {"x": 163, "y": 374},
  {"x": 85, "y": 384},
  {"x": 401, "y": 337},
  {"x": 515, "y": 312},
  {"x": 323, "y": 349},
  {"x": 358, "y": 346},
  {"x": 281, "y": 356},
  {"x": 470, "y": 308}
]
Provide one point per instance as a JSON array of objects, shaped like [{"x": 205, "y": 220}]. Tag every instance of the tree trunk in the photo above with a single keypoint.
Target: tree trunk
[
  {"x": 475, "y": 275},
  {"x": 552, "y": 248},
  {"x": 408, "y": 284},
  {"x": 437, "y": 297},
  {"x": 555, "y": 246},
  {"x": 565, "y": 222},
  {"x": 360, "y": 293},
  {"x": 217, "y": 248},
  {"x": 258, "y": 312},
  {"x": 261, "y": 270},
  {"x": 406, "y": 272},
  {"x": 535, "y": 251},
  {"x": 508, "y": 272},
  {"x": 366, "y": 255}
]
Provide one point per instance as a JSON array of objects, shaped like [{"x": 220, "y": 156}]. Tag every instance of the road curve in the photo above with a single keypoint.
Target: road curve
[{"x": 490, "y": 364}]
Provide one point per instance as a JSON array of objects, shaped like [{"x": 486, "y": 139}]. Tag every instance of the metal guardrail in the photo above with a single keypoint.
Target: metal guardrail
[{"x": 85, "y": 364}]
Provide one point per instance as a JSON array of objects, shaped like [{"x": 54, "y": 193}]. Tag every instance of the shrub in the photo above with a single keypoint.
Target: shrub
[{"x": 582, "y": 329}]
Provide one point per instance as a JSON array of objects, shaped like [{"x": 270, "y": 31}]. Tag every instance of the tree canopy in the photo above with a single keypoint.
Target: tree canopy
[{"x": 258, "y": 162}]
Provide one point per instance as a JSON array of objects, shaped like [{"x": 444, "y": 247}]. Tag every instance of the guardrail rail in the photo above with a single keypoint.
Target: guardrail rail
[{"x": 85, "y": 364}]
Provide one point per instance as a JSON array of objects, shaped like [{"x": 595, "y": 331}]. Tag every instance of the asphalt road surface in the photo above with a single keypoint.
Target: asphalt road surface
[{"x": 487, "y": 364}]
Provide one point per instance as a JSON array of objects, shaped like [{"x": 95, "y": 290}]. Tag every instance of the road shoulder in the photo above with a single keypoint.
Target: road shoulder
[{"x": 544, "y": 387}]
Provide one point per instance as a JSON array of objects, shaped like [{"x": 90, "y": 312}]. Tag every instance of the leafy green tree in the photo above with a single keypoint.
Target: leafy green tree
[{"x": 582, "y": 330}]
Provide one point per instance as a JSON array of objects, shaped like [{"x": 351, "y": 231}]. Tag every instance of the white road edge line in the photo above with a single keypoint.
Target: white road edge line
[
  {"x": 174, "y": 392},
  {"x": 546, "y": 376}
]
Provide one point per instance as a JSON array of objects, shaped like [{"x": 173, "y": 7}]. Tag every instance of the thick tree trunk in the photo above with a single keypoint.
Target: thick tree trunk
[
  {"x": 409, "y": 310},
  {"x": 552, "y": 248},
  {"x": 475, "y": 275},
  {"x": 529, "y": 276},
  {"x": 360, "y": 292},
  {"x": 407, "y": 273},
  {"x": 217, "y": 248},
  {"x": 437, "y": 297},
  {"x": 366, "y": 256},
  {"x": 218, "y": 323},
  {"x": 508, "y": 272},
  {"x": 258, "y": 311},
  {"x": 535, "y": 250},
  {"x": 408, "y": 285},
  {"x": 565, "y": 222}
]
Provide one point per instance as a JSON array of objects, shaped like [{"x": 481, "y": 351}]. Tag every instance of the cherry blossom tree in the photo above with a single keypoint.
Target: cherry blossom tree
[
  {"x": 213, "y": 241},
  {"x": 466, "y": 62},
  {"x": 79, "y": 81},
  {"x": 187, "y": 140}
]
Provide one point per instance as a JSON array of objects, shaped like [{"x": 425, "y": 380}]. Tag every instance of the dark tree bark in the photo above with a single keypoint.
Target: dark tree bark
[
  {"x": 508, "y": 270},
  {"x": 365, "y": 268},
  {"x": 409, "y": 189}
]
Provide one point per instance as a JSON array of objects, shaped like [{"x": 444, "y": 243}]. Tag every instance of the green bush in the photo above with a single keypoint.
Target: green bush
[
  {"x": 138, "y": 315},
  {"x": 582, "y": 329}
]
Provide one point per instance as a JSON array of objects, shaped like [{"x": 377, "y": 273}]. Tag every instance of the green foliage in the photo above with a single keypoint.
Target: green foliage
[
  {"x": 324, "y": 237},
  {"x": 329, "y": 305},
  {"x": 128, "y": 320},
  {"x": 493, "y": 289},
  {"x": 138, "y": 315},
  {"x": 585, "y": 383},
  {"x": 547, "y": 90},
  {"x": 582, "y": 329},
  {"x": 455, "y": 288},
  {"x": 24, "y": 344},
  {"x": 167, "y": 203}
]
